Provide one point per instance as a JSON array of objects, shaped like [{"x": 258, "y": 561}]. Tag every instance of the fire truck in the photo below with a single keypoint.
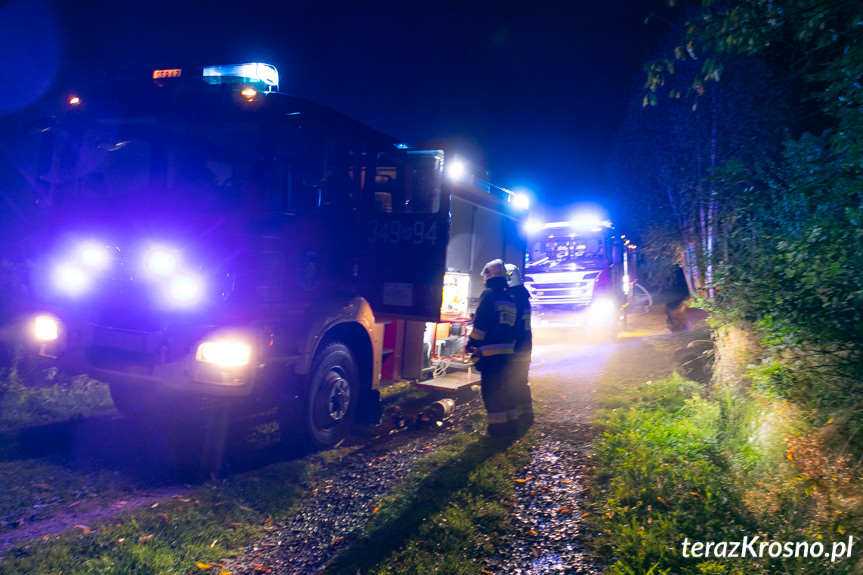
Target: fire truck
[
  {"x": 207, "y": 237},
  {"x": 581, "y": 275}
]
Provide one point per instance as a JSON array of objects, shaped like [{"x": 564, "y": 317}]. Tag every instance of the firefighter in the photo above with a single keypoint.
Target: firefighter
[
  {"x": 493, "y": 340},
  {"x": 523, "y": 347}
]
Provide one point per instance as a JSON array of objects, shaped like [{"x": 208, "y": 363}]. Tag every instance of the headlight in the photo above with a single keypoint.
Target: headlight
[
  {"x": 46, "y": 328},
  {"x": 225, "y": 353},
  {"x": 602, "y": 312}
]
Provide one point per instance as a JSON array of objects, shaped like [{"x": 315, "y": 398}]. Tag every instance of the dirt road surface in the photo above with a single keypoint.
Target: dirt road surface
[{"x": 549, "y": 534}]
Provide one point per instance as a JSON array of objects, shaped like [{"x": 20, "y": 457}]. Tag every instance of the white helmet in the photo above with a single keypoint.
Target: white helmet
[
  {"x": 513, "y": 275},
  {"x": 494, "y": 269}
]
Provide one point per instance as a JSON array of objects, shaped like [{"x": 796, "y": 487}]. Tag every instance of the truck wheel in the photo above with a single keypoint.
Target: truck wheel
[{"x": 328, "y": 402}]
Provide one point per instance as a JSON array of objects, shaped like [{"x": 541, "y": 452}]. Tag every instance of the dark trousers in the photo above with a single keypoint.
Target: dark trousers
[
  {"x": 520, "y": 387},
  {"x": 502, "y": 398}
]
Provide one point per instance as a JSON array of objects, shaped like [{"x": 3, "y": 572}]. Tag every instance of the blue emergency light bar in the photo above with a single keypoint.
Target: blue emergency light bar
[
  {"x": 253, "y": 73},
  {"x": 594, "y": 225}
]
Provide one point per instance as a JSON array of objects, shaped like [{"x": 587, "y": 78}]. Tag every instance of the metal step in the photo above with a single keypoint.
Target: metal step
[{"x": 452, "y": 381}]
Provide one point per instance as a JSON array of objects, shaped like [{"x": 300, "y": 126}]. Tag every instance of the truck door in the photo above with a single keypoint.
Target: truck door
[{"x": 403, "y": 236}]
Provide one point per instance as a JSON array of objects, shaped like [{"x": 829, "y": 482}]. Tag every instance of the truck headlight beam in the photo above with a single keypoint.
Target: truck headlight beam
[
  {"x": 227, "y": 353},
  {"x": 46, "y": 328},
  {"x": 602, "y": 312}
]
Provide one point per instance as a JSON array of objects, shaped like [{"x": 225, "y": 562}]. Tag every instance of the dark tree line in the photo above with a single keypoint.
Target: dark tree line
[{"x": 741, "y": 162}]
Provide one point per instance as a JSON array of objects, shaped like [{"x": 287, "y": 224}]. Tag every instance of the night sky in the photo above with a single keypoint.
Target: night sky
[{"x": 532, "y": 90}]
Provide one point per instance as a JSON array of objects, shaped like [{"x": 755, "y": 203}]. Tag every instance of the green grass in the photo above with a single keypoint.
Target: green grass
[
  {"x": 447, "y": 515},
  {"x": 173, "y": 534},
  {"x": 33, "y": 490},
  {"x": 676, "y": 461},
  {"x": 444, "y": 517},
  {"x": 31, "y": 395}
]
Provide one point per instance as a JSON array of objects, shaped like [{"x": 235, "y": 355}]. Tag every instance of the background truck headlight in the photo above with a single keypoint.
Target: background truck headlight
[{"x": 602, "y": 312}]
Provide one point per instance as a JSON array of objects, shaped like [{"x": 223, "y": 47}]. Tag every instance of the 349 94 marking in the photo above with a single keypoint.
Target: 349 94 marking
[{"x": 395, "y": 232}]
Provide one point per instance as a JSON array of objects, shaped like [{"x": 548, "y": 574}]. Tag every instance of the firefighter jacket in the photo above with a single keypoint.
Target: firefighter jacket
[
  {"x": 523, "y": 335},
  {"x": 493, "y": 334}
]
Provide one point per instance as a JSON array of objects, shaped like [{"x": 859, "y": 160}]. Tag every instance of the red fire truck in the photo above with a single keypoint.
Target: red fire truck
[
  {"x": 581, "y": 274},
  {"x": 212, "y": 239}
]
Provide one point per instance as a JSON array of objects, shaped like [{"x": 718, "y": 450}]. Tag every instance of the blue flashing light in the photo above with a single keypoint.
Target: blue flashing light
[
  {"x": 93, "y": 256},
  {"x": 254, "y": 72},
  {"x": 521, "y": 201},
  {"x": 185, "y": 289},
  {"x": 71, "y": 279},
  {"x": 457, "y": 170},
  {"x": 594, "y": 223}
]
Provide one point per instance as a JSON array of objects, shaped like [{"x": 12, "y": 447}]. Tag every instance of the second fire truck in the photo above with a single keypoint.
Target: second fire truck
[{"x": 580, "y": 274}]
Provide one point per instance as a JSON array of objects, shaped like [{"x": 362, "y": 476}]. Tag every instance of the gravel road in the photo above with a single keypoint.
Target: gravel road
[{"x": 549, "y": 534}]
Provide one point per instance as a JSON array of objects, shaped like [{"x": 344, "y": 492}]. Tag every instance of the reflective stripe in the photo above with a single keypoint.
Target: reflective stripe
[
  {"x": 477, "y": 334},
  {"x": 497, "y": 417},
  {"x": 497, "y": 349}
]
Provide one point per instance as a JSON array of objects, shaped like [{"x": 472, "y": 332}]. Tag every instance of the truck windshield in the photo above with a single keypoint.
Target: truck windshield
[
  {"x": 201, "y": 167},
  {"x": 568, "y": 253}
]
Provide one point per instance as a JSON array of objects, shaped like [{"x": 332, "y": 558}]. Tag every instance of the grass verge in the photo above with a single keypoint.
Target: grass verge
[
  {"x": 444, "y": 517},
  {"x": 178, "y": 534},
  {"x": 33, "y": 396},
  {"x": 678, "y": 463},
  {"x": 447, "y": 515}
]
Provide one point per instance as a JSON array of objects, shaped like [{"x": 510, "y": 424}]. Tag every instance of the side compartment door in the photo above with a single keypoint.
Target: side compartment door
[{"x": 404, "y": 230}]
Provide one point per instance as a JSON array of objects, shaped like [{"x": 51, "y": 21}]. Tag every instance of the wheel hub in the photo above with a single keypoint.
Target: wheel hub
[{"x": 339, "y": 395}]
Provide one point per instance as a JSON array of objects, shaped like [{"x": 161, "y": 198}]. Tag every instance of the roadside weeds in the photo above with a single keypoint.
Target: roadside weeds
[{"x": 680, "y": 462}]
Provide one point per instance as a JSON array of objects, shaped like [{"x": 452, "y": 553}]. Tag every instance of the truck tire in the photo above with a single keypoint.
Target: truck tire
[{"x": 322, "y": 413}]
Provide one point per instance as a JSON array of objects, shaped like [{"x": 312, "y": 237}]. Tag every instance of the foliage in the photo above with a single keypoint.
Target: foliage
[
  {"x": 443, "y": 517},
  {"x": 752, "y": 156},
  {"x": 687, "y": 164},
  {"x": 675, "y": 464},
  {"x": 171, "y": 535},
  {"x": 31, "y": 396}
]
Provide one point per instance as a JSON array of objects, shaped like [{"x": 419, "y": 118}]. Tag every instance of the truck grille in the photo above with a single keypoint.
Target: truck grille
[
  {"x": 120, "y": 360},
  {"x": 570, "y": 285}
]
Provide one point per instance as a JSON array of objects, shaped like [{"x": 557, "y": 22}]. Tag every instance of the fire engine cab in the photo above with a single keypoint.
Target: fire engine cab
[
  {"x": 581, "y": 274},
  {"x": 211, "y": 238}
]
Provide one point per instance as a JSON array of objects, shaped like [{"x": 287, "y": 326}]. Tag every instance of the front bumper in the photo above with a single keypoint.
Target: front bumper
[{"x": 162, "y": 358}]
